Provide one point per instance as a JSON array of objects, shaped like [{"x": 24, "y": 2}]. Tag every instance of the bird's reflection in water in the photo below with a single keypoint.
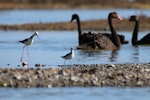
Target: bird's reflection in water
[
  {"x": 98, "y": 56},
  {"x": 135, "y": 54},
  {"x": 132, "y": 54},
  {"x": 113, "y": 57}
]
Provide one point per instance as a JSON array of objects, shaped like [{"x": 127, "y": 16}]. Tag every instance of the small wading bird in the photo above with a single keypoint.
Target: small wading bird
[
  {"x": 69, "y": 56},
  {"x": 27, "y": 42}
]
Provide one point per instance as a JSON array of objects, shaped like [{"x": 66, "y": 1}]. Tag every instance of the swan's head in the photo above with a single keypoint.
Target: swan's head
[
  {"x": 115, "y": 15},
  {"x": 74, "y": 17},
  {"x": 133, "y": 18}
]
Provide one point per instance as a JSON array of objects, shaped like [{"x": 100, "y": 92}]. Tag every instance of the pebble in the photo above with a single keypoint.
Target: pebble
[
  {"x": 74, "y": 78},
  {"x": 61, "y": 72},
  {"x": 112, "y": 65}
]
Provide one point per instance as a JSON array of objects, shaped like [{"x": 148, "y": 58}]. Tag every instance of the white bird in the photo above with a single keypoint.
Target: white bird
[
  {"x": 69, "y": 56},
  {"x": 27, "y": 42}
]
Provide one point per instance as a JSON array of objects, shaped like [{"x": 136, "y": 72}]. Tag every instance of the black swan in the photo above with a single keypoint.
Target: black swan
[
  {"x": 135, "y": 41},
  {"x": 100, "y": 41}
]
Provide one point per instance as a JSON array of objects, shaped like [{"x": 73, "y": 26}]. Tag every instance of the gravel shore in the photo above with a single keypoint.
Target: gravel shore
[{"x": 114, "y": 75}]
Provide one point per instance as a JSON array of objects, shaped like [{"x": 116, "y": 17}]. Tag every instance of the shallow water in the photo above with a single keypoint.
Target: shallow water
[
  {"x": 76, "y": 93},
  {"x": 35, "y": 16},
  {"x": 51, "y": 45}
]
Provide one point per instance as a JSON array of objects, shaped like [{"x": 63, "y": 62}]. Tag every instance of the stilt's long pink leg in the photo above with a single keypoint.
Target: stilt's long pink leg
[
  {"x": 64, "y": 62},
  {"x": 22, "y": 55},
  {"x": 70, "y": 62},
  {"x": 28, "y": 57}
]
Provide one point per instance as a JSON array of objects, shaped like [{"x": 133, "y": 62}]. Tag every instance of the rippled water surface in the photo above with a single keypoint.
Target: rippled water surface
[
  {"x": 51, "y": 45},
  {"x": 36, "y": 16},
  {"x": 75, "y": 93}
]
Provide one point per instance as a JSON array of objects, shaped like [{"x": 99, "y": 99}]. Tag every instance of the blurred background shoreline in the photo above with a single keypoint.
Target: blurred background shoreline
[
  {"x": 70, "y": 4},
  {"x": 97, "y": 24}
]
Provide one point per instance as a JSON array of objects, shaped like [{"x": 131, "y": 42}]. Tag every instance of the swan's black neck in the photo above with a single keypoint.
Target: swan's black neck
[
  {"x": 79, "y": 30},
  {"x": 135, "y": 33},
  {"x": 115, "y": 38},
  {"x": 79, "y": 27}
]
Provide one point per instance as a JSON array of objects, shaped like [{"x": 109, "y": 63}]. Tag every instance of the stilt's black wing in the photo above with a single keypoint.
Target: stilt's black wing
[{"x": 22, "y": 41}]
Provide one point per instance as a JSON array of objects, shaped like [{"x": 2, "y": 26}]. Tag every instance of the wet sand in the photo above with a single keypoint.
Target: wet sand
[{"x": 103, "y": 75}]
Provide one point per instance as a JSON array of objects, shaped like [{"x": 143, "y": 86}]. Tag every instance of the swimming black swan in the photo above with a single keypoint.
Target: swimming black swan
[
  {"x": 135, "y": 41},
  {"x": 100, "y": 41}
]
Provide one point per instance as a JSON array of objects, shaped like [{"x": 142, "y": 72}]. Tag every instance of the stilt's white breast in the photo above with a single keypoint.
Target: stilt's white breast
[{"x": 29, "y": 42}]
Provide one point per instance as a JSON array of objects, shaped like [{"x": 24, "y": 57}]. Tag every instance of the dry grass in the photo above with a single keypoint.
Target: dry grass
[
  {"x": 46, "y": 4},
  {"x": 124, "y": 25}
]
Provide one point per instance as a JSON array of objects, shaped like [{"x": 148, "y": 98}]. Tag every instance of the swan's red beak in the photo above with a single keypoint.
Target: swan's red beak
[{"x": 118, "y": 17}]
